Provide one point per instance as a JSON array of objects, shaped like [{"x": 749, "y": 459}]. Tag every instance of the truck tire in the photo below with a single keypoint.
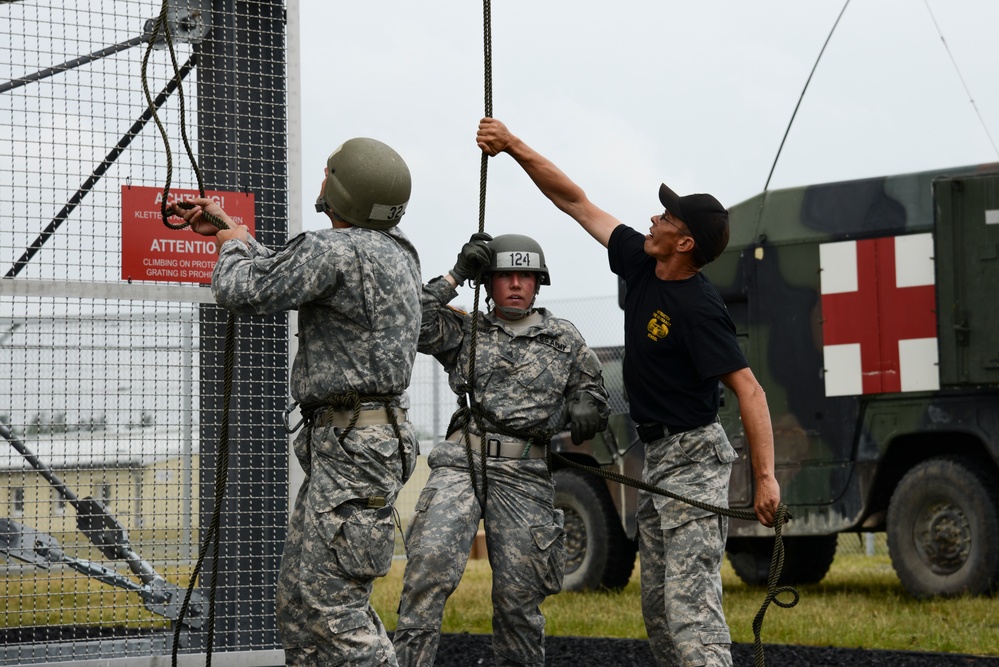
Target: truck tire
[
  {"x": 598, "y": 553},
  {"x": 806, "y": 558},
  {"x": 943, "y": 529}
]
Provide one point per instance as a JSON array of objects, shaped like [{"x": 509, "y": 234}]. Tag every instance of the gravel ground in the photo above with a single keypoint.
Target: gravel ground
[
  {"x": 465, "y": 650},
  {"x": 468, "y": 650}
]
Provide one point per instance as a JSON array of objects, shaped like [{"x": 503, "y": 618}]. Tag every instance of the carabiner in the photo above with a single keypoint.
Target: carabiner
[{"x": 287, "y": 414}]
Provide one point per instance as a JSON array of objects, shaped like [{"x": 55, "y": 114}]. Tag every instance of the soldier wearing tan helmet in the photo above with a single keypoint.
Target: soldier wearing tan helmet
[
  {"x": 680, "y": 342},
  {"x": 533, "y": 373},
  {"x": 356, "y": 287}
]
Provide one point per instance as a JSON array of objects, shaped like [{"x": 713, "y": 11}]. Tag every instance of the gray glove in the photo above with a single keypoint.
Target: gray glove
[
  {"x": 473, "y": 258},
  {"x": 584, "y": 417}
]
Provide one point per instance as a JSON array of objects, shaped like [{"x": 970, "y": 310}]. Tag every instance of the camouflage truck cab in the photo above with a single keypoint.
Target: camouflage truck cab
[
  {"x": 867, "y": 310},
  {"x": 600, "y": 515}
]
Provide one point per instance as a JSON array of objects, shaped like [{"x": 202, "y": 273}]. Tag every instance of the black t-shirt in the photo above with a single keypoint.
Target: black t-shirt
[{"x": 678, "y": 339}]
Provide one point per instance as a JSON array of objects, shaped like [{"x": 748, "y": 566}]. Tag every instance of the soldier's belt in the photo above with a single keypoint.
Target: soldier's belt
[
  {"x": 341, "y": 418},
  {"x": 504, "y": 448},
  {"x": 648, "y": 433}
]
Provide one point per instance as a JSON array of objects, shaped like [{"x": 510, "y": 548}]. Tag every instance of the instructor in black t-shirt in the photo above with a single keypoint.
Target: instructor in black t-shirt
[{"x": 680, "y": 342}]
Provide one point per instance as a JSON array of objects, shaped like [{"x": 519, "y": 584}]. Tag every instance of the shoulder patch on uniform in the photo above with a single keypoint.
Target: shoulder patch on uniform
[
  {"x": 457, "y": 310},
  {"x": 295, "y": 240},
  {"x": 553, "y": 342}
]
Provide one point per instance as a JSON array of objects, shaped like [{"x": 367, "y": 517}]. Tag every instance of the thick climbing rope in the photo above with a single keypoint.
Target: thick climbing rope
[
  {"x": 473, "y": 345},
  {"x": 212, "y": 538},
  {"x": 163, "y": 24}
]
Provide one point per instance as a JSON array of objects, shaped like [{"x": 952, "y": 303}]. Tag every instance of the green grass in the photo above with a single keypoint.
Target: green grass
[
  {"x": 65, "y": 597},
  {"x": 860, "y": 604}
]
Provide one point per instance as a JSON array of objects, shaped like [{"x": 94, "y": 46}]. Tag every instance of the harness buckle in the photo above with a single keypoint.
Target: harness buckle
[{"x": 490, "y": 444}]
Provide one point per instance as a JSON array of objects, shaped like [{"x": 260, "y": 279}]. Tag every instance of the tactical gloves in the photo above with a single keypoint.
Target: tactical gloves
[
  {"x": 584, "y": 417},
  {"x": 473, "y": 259}
]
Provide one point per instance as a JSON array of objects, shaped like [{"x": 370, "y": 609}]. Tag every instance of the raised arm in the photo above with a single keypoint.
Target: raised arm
[{"x": 494, "y": 138}]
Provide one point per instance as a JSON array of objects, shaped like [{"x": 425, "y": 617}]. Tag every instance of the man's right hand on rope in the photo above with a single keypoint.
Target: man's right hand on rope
[
  {"x": 200, "y": 224},
  {"x": 493, "y": 137},
  {"x": 473, "y": 258}
]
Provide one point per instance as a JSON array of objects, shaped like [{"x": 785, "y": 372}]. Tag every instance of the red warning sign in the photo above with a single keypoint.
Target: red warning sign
[{"x": 152, "y": 251}]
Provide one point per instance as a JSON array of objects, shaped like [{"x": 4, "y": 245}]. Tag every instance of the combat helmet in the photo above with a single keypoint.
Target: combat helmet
[
  {"x": 367, "y": 184},
  {"x": 516, "y": 252}
]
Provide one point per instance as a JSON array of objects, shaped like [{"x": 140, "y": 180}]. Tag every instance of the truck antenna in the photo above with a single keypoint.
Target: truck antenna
[
  {"x": 963, "y": 82},
  {"x": 802, "y": 96}
]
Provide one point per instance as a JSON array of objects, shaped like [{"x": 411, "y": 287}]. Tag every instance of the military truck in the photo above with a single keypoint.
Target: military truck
[
  {"x": 869, "y": 312},
  {"x": 600, "y": 525}
]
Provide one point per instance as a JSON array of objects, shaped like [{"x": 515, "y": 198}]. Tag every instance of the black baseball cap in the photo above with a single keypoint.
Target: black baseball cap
[{"x": 706, "y": 219}]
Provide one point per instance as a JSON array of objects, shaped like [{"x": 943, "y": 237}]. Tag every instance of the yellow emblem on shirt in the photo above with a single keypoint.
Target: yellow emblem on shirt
[{"x": 658, "y": 326}]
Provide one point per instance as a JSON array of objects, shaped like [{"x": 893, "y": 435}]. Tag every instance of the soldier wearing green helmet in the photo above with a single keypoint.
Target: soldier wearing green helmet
[
  {"x": 512, "y": 253},
  {"x": 533, "y": 375},
  {"x": 367, "y": 185},
  {"x": 356, "y": 287}
]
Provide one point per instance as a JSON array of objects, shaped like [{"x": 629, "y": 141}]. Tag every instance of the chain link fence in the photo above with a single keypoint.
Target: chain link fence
[{"x": 109, "y": 337}]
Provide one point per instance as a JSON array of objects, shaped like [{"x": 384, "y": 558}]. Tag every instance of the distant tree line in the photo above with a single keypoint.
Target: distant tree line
[{"x": 44, "y": 423}]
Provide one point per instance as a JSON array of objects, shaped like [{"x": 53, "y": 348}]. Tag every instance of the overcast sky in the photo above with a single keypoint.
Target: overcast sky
[{"x": 623, "y": 96}]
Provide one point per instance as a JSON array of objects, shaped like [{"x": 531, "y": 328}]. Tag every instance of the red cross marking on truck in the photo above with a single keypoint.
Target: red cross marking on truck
[{"x": 879, "y": 313}]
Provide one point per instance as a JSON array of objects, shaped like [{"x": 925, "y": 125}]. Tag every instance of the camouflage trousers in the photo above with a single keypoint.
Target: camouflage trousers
[
  {"x": 525, "y": 541},
  {"x": 681, "y": 548},
  {"x": 338, "y": 543}
]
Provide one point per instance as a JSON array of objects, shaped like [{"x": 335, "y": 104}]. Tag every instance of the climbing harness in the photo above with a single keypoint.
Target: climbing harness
[
  {"x": 352, "y": 401},
  {"x": 463, "y": 418},
  {"x": 327, "y": 415}
]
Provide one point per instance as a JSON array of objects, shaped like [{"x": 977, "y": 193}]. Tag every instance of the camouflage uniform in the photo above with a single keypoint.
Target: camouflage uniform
[
  {"x": 522, "y": 381},
  {"x": 682, "y": 547},
  {"x": 357, "y": 295}
]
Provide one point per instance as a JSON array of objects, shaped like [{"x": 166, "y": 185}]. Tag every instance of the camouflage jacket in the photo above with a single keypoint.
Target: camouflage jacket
[
  {"x": 357, "y": 293},
  {"x": 521, "y": 380}
]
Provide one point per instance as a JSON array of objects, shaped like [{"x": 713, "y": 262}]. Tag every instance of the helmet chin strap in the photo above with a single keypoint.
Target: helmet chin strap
[{"x": 513, "y": 314}]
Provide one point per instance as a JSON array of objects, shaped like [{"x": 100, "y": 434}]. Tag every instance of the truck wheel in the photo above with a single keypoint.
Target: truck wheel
[
  {"x": 598, "y": 553},
  {"x": 943, "y": 529},
  {"x": 806, "y": 558}
]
